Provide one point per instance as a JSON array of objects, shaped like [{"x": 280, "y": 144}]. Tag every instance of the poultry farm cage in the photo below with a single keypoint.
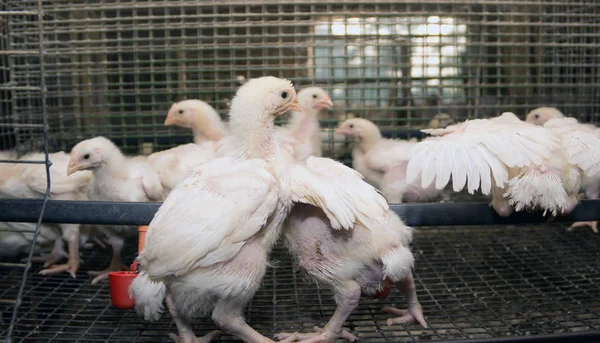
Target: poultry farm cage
[{"x": 75, "y": 69}]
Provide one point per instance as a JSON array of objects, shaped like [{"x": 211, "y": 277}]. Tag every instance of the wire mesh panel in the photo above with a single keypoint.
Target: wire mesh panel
[
  {"x": 493, "y": 282},
  {"x": 114, "y": 67}
]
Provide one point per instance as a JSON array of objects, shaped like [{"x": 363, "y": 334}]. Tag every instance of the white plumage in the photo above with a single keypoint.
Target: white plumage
[
  {"x": 116, "y": 178},
  {"x": 522, "y": 165}
]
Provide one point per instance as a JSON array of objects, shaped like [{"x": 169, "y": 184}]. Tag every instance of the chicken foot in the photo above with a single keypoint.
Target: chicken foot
[
  {"x": 348, "y": 298},
  {"x": 72, "y": 264},
  {"x": 593, "y": 225},
  {"x": 186, "y": 334},
  {"x": 58, "y": 253},
  {"x": 228, "y": 316},
  {"x": 414, "y": 312},
  {"x": 116, "y": 263}
]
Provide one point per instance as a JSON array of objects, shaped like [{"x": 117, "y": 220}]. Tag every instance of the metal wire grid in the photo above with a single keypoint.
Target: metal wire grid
[
  {"x": 488, "y": 282},
  {"x": 9, "y": 87},
  {"x": 115, "y": 66}
]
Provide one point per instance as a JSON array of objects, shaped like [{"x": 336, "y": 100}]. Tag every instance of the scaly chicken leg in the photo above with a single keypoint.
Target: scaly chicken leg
[
  {"x": 228, "y": 316},
  {"x": 348, "y": 297},
  {"x": 58, "y": 253},
  {"x": 71, "y": 234},
  {"x": 414, "y": 312},
  {"x": 116, "y": 263},
  {"x": 186, "y": 334}
]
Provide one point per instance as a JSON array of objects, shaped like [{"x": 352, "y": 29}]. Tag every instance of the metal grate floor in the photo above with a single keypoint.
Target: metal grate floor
[{"x": 472, "y": 282}]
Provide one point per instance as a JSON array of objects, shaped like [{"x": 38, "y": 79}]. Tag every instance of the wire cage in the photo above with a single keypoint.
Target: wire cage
[{"x": 74, "y": 69}]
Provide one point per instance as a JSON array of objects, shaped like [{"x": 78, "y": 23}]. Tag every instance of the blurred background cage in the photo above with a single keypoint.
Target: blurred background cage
[{"x": 114, "y": 67}]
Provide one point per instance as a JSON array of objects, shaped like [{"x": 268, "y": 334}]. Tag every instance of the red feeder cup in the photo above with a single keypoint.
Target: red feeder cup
[{"x": 121, "y": 281}]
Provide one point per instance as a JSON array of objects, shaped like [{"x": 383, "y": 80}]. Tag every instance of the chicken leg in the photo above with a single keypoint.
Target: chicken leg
[
  {"x": 186, "y": 334},
  {"x": 71, "y": 234},
  {"x": 348, "y": 297},
  {"x": 228, "y": 316},
  {"x": 592, "y": 194},
  {"x": 414, "y": 312},
  {"x": 116, "y": 264},
  {"x": 58, "y": 253}
]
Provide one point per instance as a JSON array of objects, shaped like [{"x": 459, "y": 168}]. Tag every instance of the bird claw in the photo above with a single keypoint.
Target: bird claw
[
  {"x": 320, "y": 335},
  {"x": 413, "y": 314},
  {"x": 49, "y": 259},
  {"x": 103, "y": 274},
  {"x": 204, "y": 339},
  {"x": 71, "y": 266},
  {"x": 593, "y": 225}
]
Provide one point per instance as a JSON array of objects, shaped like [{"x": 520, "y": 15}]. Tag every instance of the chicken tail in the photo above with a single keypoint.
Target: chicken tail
[
  {"x": 397, "y": 263},
  {"x": 149, "y": 296}
]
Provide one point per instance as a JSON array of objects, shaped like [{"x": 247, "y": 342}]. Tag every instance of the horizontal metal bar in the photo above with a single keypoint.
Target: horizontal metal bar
[
  {"x": 430, "y": 214},
  {"x": 7, "y": 301},
  {"x": 19, "y": 88},
  {"x": 23, "y": 162},
  {"x": 7, "y": 13},
  {"x": 8, "y": 264},
  {"x": 31, "y": 126},
  {"x": 19, "y": 52}
]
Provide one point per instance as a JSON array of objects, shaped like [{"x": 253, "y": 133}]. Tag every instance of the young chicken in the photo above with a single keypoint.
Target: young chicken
[
  {"x": 208, "y": 127},
  {"x": 207, "y": 246},
  {"x": 522, "y": 165},
  {"x": 591, "y": 185},
  {"x": 362, "y": 260},
  {"x": 304, "y": 126},
  {"x": 540, "y": 115},
  {"x": 203, "y": 119},
  {"x": 175, "y": 164},
  {"x": 21, "y": 180},
  {"x": 383, "y": 161},
  {"x": 116, "y": 178}
]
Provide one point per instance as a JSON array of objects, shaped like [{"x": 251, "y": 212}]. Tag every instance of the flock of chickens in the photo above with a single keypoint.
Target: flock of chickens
[{"x": 230, "y": 195}]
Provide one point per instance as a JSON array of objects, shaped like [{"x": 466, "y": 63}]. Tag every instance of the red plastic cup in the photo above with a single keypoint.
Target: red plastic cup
[{"x": 119, "y": 289}]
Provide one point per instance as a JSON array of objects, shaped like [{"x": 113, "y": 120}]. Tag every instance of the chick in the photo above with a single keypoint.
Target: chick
[
  {"x": 116, "y": 178},
  {"x": 203, "y": 119},
  {"x": 22, "y": 180},
  {"x": 383, "y": 161},
  {"x": 364, "y": 259},
  {"x": 304, "y": 126},
  {"x": 522, "y": 165},
  {"x": 540, "y": 115},
  {"x": 207, "y": 247}
]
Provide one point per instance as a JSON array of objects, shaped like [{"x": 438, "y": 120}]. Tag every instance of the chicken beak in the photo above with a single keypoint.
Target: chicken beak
[
  {"x": 73, "y": 167},
  {"x": 169, "y": 120},
  {"x": 340, "y": 131},
  {"x": 295, "y": 106},
  {"x": 325, "y": 103}
]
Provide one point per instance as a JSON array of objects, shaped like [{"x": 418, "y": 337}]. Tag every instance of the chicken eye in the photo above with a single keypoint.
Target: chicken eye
[
  {"x": 351, "y": 126},
  {"x": 537, "y": 116},
  {"x": 314, "y": 96},
  {"x": 284, "y": 95},
  {"x": 180, "y": 111},
  {"x": 86, "y": 156}
]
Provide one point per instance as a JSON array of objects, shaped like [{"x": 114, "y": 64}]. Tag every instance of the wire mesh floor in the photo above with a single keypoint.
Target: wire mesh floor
[{"x": 472, "y": 282}]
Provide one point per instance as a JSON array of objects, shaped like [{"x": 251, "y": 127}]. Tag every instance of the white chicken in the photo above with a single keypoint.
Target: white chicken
[
  {"x": 304, "y": 126},
  {"x": 540, "y": 115},
  {"x": 21, "y": 180},
  {"x": 208, "y": 127},
  {"x": 383, "y": 162},
  {"x": 175, "y": 164},
  {"x": 207, "y": 246},
  {"x": 522, "y": 165},
  {"x": 116, "y": 178},
  {"x": 591, "y": 184},
  {"x": 365, "y": 259}
]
